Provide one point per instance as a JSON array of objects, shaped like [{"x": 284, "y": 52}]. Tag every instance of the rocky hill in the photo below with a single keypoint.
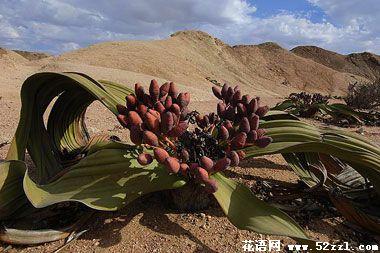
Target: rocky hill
[
  {"x": 189, "y": 57},
  {"x": 10, "y": 58},
  {"x": 362, "y": 64},
  {"x": 32, "y": 56}
]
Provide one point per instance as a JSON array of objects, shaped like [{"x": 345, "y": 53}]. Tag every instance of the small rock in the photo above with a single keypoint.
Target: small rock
[
  {"x": 202, "y": 215},
  {"x": 360, "y": 131}
]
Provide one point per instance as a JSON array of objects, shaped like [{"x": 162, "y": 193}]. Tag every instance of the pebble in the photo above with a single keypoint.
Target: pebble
[{"x": 360, "y": 131}]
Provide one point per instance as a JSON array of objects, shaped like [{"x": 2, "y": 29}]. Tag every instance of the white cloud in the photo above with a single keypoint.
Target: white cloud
[
  {"x": 69, "y": 46},
  {"x": 359, "y": 13},
  {"x": 290, "y": 30},
  {"x": 61, "y": 25},
  {"x": 6, "y": 30}
]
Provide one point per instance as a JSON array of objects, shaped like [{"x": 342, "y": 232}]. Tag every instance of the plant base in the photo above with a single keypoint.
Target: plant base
[{"x": 189, "y": 198}]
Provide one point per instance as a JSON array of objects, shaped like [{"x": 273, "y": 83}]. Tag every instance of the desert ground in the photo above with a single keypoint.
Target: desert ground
[{"x": 188, "y": 58}]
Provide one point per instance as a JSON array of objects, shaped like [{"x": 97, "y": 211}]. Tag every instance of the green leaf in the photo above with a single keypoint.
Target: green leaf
[
  {"x": 285, "y": 105},
  {"x": 105, "y": 180},
  {"x": 66, "y": 130},
  {"x": 294, "y": 160},
  {"x": 292, "y": 136},
  {"x": 12, "y": 197},
  {"x": 248, "y": 212}
]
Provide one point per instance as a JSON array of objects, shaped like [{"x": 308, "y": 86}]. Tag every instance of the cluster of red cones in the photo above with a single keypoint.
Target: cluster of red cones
[{"x": 160, "y": 119}]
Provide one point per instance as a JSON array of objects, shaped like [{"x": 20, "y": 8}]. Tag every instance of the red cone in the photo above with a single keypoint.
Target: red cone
[
  {"x": 154, "y": 90},
  {"x": 150, "y": 138},
  {"x": 145, "y": 159},
  {"x": 172, "y": 165},
  {"x": 160, "y": 154}
]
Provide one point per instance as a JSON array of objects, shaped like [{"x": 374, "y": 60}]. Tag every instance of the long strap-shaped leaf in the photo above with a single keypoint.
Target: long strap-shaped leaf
[
  {"x": 294, "y": 136},
  {"x": 248, "y": 212},
  {"x": 105, "y": 180},
  {"x": 66, "y": 130},
  {"x": 12, "y": 196}
]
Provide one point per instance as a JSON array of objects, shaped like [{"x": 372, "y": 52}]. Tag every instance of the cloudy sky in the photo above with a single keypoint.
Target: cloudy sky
[{"x": 56, "y": 26}]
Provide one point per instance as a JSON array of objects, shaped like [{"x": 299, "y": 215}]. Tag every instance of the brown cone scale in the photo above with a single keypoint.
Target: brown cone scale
[
  {"x": 223, "y": 133},
  {"x": 202, "y": 174},
  {"x": 159, "y": 107},
  {"x": 175, "y": 109},
  {"x": 145, "y": 159},
  {"x": 211, "y": 186},
  {"x": 254, "y": 122},
  {"x": 150, "y": 138},
  {"x": 136, "y": 134},
  {"x": 261, "y": 111},
  {"x": 183, "y": 99},
  {"x": 246, "y": 99},
  {"x": 131, "y": 101},
  {"x": 252, "y": 136},
  {"x": 263, "y": 141},
  {"x": 234, "y": 157},
  {"x": 167, "y": 122},
  {"x": 142, "y": 109},
  {"x": 172, "y": 164},
  {"x": 139, "y": 91},
  {"x": 217, "y": 92},
  {"x": 123, "y": 120},
  {"x": 239, "y": 140},
  {"x": 152, "y": 122},
  {"x": 154, "y": 90},
  {"x": 184, "y": 168},
  {"x": 244, "y": 125},
  {"x": 164, "y": 89},
  {"x": 179, "y": 129},
  {"x": 173, "y": 90},
  {"x": 221, "y": 109},
  {"x": 236, "y": 98},
  {"x": 185, "y": 155},
  {"x": 241, "y": 109},
  {"x": 206, "y": 162},
  {"x": 134, "y": 118},
  {"x": 168, "y": 102},
  {"x": 160, "y": 154},
  {"x": 121, "y": 109},
  {"x": 221, "y": 164},
  {"x": 253, "y": 105}
]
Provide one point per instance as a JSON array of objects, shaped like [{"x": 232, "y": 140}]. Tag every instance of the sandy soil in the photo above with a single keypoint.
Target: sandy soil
[{"x": 148, "y": 225}]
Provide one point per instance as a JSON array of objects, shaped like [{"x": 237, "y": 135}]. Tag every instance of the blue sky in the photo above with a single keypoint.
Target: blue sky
[
  {"x": 267, "y": 8},
  {"x": 57, "y": 26}
]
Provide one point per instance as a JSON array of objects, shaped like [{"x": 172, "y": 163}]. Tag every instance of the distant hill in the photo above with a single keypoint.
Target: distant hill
[
  {"x": 32, "y": 56},
  {"x": 189, "y": 57},
  {"x": 361, "y": 64},
  {"x": 11, "y": 58}
]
